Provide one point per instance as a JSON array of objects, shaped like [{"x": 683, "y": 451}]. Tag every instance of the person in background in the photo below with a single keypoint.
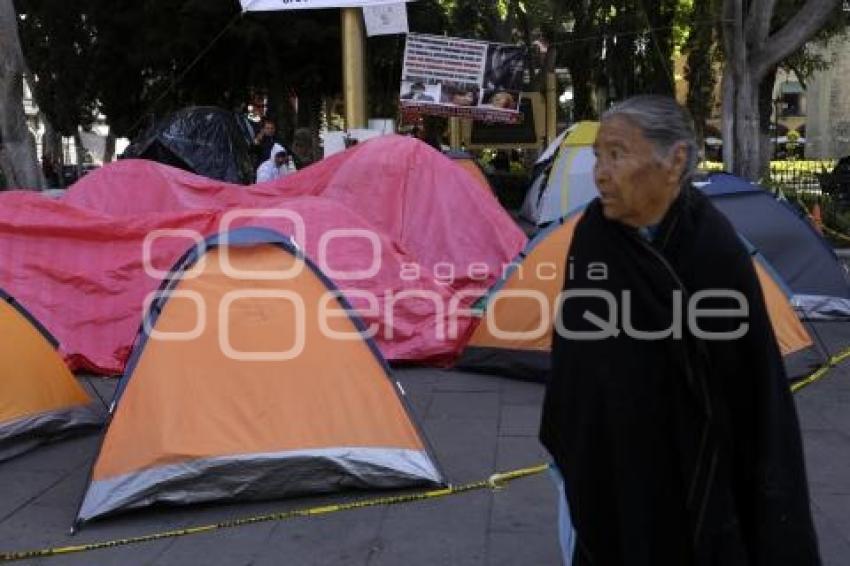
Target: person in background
[
  {"x": 51, "y": 175},
  {"x": 302, "y": 148},
  {"x": 276, "y": 166},
  {"x": 678, "y": 442},
  {"x": 503, "y": 100},
  {"x": 418, "y": 92},
  {"x": 433, "y": 131},
  {"x": 265, "y": 139}
]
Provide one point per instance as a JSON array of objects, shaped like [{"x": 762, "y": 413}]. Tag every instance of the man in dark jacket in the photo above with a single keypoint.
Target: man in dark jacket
[
  {"x": 264, "y": 141},
  {"x": 668, "y": 411}
]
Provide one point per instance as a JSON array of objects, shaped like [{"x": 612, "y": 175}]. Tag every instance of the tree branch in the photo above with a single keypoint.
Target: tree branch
[
  {"x": 758, "y": 21},
  {"x": 799, "y": 29}
]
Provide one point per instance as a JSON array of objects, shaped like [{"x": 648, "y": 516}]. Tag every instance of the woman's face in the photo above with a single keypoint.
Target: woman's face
[
  {"x": 636, "y": 187},
  {"x": 463, "y": 99},
  {"x": 502, "y": 100}
]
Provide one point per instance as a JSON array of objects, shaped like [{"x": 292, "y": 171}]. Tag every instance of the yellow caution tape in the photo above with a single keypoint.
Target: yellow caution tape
[
  {"x": 836, "y": 234},
  {"x": 821, "y": 372},
  {"x": 496, "y": 481}
]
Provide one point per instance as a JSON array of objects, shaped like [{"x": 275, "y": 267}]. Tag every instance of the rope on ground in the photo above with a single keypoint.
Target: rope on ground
[
  {"x": 821, "y": 372},
  {"x": 496, "y": 481},
  {"x": 836, "y": 234}
]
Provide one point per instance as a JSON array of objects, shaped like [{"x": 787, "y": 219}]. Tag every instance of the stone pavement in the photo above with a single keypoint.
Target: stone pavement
[{"x": 477, "y": 425}]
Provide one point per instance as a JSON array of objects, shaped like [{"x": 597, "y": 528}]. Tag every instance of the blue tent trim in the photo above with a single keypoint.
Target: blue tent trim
[
  {"x": 723, "y": 184},
  {"x": 759, "y": 257},
  {"x": 12, "y": 302}
]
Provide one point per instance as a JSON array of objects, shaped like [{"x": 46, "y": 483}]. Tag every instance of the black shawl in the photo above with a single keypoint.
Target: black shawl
[{"x": 674, "y": 451}]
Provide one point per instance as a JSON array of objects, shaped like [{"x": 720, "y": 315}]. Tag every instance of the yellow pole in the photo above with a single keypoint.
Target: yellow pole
[
  {"x": 551, "y": 107},
  {"x": 455, "y": 137},
  {"x": 353, "y": 68}
]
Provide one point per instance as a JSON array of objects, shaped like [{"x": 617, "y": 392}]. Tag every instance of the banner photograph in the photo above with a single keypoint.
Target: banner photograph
[
  {"x": 448, "y": 76},
  {"x": 271, "y": 5}
]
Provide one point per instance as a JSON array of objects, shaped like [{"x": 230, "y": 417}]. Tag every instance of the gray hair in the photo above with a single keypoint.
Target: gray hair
[{"x": 664, "y": 123}]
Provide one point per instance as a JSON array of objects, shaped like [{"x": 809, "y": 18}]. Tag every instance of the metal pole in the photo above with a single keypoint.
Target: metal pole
[
  {"x": 455, "y": 137},
  {"x": 354, "y": 68},
  {"x": 551, "y": 95},
  {"x": 551, "y": 107}
]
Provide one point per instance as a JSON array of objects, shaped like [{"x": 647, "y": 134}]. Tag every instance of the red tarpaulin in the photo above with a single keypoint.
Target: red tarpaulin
[
  {"x": 82, "y": 275},
  {"x": 77, "y": 264},
  {"x": 411, "y": 193}
]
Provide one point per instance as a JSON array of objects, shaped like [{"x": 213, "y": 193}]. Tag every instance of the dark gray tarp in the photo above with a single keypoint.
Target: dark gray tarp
[
  {"x": 527, "y": 365},
  {"x": 261, "y": 476},
  {"x": 21, "y": 435},
  {"x": 208, "y": 141}
]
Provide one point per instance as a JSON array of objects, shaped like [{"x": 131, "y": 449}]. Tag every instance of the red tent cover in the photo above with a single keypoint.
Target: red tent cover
[
  {"x": 407, "y": 235},
  {"x": 416, "y": 196}
]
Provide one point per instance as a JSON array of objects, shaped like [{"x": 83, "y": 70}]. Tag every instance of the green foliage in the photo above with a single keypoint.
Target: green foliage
[
  {"x": 141, "y": 60},
  {"x": 811, "y": 167},
  {"x": 60, "y": 43},
  {"x": 701, "y": 49},
  {"x": 808, "y": 60},
  {"x": 137, "y": 61}
]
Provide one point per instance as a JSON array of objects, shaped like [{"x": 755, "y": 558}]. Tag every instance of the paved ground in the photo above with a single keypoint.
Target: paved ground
[{"x": 477, "y": 424}]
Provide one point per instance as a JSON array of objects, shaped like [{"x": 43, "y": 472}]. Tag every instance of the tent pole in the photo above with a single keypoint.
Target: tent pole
[{"x": 354, "y": 68}]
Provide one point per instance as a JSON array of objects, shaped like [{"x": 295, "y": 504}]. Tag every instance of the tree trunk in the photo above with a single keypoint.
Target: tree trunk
[
  {"x": 581, "y": 60},
  {"x": 741, "y": 136},
  {"x": 766, "y": 108},
  {"x": 51, "y": 142},
  {"x": 751, "y": 54},
  {"x": 19, "y": 162},
  {"x": 80, "y": 150},
  {"x": 659, "y": 16},
  {"x": 278, "y": 107},
  {"x": 109, "y": 148},
  {"x": 728, "y": 119},
  {"x": 747, "y": 130},
  {"x": 699, "y": 70},
  {"x": 583, "y": 107}
]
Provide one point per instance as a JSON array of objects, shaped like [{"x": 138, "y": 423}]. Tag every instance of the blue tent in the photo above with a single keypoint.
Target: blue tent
[{"x": 803, "y": 259}]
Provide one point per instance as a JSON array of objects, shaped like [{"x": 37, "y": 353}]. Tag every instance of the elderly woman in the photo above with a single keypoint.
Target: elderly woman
[{"x": 668, "y": 410}]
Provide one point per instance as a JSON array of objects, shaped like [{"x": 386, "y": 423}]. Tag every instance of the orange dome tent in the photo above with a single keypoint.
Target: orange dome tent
[
  {"x": 515, "y": 334},
  {"x": 39, "y": 399},
  {"x": 252, "y": 379}
]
